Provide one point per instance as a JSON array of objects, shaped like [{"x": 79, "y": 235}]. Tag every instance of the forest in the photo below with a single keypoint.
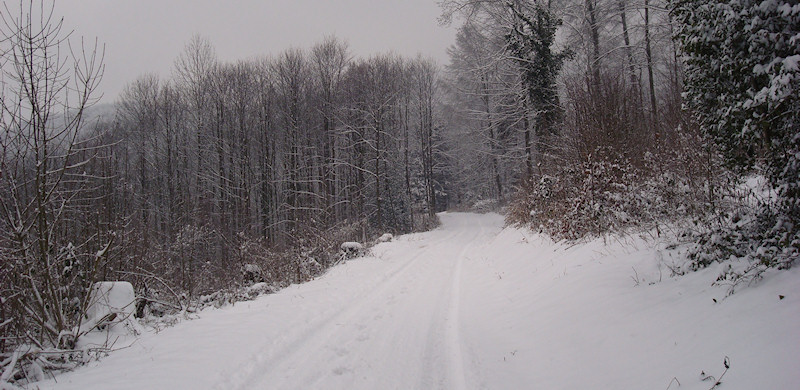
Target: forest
[{"x": 576, "y": 119}]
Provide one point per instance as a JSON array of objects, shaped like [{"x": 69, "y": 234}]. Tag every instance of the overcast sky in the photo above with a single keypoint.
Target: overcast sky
[{"x": 145, "y": 36}]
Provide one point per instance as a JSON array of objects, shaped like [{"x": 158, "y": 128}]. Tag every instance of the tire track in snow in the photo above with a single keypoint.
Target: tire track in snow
[
  {"x": 455, "y": 362},
  {"x": 262, "y": 363},
  {"x": 445, "y": 352},
  {"x": 455, "y": 358}
]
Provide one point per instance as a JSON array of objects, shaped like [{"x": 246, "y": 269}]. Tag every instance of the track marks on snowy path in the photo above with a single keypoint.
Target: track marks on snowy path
[
  {"x": 455, "y": 343},
  {"x": 281, "y": 357},
  {"x": 448, "y": 358},
  {"x": 401, "y": 330},
  {"x": 453, "y": 329}
]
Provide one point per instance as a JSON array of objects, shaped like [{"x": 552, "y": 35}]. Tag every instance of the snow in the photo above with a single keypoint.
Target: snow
[
  {"x": 474, "y": 305},
  {"x": 109, "y": 316},
  {"x": 351, "y": 250},
  {"x": 260, "y": 286},
  {"x": 252, "y": 268},
  {"x": 790, "y": 63},
  {"x": 353, "y": 246},
  {"x": 107, "y": 297}
]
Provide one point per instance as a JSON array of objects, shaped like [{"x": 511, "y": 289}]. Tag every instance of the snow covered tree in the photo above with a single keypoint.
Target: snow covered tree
[
  {"x": 486, "y": 110},
  {"x": 471, "y": 77},
  {"x": 743, "y": 82},
  {"x": 741, "y": 68}
]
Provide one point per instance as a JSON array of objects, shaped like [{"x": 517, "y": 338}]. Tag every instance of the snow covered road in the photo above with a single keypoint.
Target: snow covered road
[
  {"x": 471, "y": 305},
  {"x": 391, "y": 320},
  {"x": 394, "y": 326}
]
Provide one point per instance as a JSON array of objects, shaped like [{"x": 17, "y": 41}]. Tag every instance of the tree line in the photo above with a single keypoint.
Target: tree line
[
  {"x": 268, "y": 163},
  {"x": 278, "y": 150}
]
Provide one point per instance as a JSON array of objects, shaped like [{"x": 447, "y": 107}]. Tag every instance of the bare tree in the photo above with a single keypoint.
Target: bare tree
[
  {"x": 425, "y": 77},
  {"x": 329, "y": 63},
  {"x": 291, "y": 83},
  {"x": 47, "y": 86},
  {"x": 193, "y": 70}
]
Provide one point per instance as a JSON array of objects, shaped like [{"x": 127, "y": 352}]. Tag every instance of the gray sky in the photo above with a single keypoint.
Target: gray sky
[{"x": 145, "y": 36}]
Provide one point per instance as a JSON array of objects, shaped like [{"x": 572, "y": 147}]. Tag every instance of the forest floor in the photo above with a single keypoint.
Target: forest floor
[{"x": 473, "y": 305}]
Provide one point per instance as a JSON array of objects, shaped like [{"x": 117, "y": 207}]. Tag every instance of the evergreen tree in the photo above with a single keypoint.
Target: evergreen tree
[
  {"x": 530, "y": 44},
  {"x": 743, "y": 82}
]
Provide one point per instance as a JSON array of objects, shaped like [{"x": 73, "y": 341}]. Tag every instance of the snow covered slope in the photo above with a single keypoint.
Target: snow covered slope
[{"x": 472, "y": 305}]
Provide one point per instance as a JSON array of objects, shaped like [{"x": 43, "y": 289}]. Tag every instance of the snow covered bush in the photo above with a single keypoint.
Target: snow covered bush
[
  {"x": 738, "y": 234},
  {"x": 110, "y": 298},
  {"x": 606, "y": 193},
  {"x": 252, "y": 273}
]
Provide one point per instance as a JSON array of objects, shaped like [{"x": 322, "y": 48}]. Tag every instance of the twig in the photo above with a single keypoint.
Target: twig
[
  {"x": 675, "y": 380},
  {"x": 151, "y": 275},
  {"x": 151, "y": 300},
  {"x": 10, "y": 368},
  {"x": 727, "y": 363}
]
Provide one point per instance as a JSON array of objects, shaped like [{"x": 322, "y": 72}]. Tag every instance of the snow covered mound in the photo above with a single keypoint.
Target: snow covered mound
[
  {"x": 110, "y": 302},
  {"x": 352, "y": 246},
  {"x": 349, "y": 250},
  {"x": 109, "y": 316},
  {"x": 611, "y": 315},
  {"x": 472, "y": 305}
]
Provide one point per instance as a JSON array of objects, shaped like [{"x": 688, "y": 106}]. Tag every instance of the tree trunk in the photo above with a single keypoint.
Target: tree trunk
[
  {"x": 648, "y": 54},
  {"x": 594, "y": 34}
]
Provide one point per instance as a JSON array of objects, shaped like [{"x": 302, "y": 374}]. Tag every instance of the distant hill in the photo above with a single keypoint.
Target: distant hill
[{"x": 100, "y": 112}]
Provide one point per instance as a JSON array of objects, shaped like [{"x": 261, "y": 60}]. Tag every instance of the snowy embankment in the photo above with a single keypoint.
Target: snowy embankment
[{"x": 473, "y": 305}]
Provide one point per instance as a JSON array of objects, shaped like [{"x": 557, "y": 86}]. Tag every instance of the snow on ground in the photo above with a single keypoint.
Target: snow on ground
[{"x": 474, "y": 306}]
